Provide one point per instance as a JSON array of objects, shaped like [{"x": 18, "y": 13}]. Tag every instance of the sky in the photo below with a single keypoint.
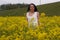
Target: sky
[{"x": 36, "y": 2}]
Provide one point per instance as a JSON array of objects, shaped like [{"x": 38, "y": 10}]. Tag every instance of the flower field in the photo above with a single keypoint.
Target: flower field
[{"x": 16, "y": 28}]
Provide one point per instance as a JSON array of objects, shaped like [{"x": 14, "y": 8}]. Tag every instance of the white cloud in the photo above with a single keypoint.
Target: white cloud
[
  {"x": 48, "y": 1},
  {"x": 27, "y": 1}
]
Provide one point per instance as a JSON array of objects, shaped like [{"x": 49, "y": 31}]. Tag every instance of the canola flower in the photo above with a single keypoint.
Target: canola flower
[{"x": 16, "y": 28}]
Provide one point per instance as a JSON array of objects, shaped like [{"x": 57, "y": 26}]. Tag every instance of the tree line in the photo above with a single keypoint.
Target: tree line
[{"x": 12, "y": 6}]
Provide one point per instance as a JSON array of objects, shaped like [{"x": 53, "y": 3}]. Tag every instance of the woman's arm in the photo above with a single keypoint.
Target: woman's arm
[
  {"x": 26, "y": 17},
  {"x": 38, "y": 18}
]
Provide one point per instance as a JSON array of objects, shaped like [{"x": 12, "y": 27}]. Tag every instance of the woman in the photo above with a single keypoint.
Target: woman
[{"x": 32, "y": 15}]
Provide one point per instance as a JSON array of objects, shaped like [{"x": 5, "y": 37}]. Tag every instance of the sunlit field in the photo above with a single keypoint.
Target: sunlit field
[{"x": 16, "y": 28}]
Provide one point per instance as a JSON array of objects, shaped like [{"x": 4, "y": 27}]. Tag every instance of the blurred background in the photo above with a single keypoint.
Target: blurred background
[{"x": 19, "y": 7}]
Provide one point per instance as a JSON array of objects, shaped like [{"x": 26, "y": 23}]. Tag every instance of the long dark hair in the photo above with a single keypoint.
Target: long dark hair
[{"x": 35, "y": 8}]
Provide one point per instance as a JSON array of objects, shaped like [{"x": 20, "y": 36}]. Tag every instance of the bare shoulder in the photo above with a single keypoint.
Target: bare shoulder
[
  {"x": 27, "y": 14},
  {"x": 37, "y": 13}
]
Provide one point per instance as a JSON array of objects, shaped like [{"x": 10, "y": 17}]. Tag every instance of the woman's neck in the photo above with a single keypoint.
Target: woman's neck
[{"x": 31, "y": 11}]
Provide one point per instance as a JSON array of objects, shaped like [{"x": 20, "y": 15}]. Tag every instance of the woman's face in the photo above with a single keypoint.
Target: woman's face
[{"x": 31, "y": 7}]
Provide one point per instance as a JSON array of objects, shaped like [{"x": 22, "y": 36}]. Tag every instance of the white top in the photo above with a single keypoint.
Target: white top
[{"x": 32, "y": 19}]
